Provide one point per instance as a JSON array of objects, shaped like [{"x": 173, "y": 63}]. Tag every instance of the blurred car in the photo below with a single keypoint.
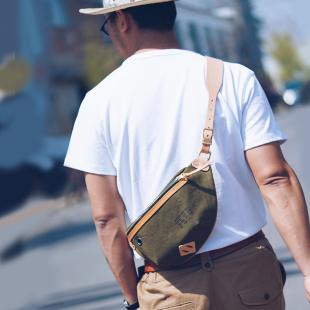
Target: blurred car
[{"x": 291, "y": 95}]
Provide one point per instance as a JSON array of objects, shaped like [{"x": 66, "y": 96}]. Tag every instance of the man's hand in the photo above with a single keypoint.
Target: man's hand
[
  {"x": 284, "y": 197},
  {"x": 307, "y": 287},
  {"x": 109, "y": 217}
]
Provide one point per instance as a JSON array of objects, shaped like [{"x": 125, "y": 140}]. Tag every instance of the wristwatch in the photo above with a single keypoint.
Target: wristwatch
[{"x": 134, "y": 306}]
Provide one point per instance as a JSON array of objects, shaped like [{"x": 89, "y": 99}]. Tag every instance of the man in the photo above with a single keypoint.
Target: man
[{"x": 143, "y": 123}]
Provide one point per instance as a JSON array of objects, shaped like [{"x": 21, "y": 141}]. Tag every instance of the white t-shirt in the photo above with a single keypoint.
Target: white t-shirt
[{"x": 144, "y": 122}]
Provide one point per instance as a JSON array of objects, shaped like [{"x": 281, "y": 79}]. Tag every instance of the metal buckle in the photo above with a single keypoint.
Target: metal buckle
[
  {"x": 210, "y": 129},
  {"x": 208, "y": 154},
  {"x": 203, "y": 137}
]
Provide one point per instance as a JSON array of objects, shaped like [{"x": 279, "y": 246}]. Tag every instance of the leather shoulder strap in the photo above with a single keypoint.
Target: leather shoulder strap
[{"x": 214, "y": 83}]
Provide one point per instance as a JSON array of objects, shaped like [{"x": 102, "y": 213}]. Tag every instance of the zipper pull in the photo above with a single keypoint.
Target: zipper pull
[
  {"x": 184, "y": 176},
  {"x": 180, "y": 177}
]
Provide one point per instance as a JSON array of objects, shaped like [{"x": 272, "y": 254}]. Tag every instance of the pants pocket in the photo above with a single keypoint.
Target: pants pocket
[
  {"x": 283, "y": 273},
  {"x": 155, "y": 292},
  {"x": 262, "y": 294}
]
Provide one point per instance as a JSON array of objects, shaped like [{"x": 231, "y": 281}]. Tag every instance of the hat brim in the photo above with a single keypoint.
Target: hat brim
[{"x": 98, "y": 11}]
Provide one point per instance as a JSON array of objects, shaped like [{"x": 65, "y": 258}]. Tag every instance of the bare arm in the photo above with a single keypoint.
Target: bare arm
[
  {"x": 109, "y": 217},
  {"x": 285, "y": 199}
]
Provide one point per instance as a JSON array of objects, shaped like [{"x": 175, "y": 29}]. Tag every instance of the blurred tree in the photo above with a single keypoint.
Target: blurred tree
[
  {"x": 286, "y": 54},
  {"x": 100, "y": 57}
]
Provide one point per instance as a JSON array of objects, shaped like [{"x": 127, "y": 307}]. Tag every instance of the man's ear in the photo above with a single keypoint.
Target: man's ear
[{"x": 124, "y": 21}]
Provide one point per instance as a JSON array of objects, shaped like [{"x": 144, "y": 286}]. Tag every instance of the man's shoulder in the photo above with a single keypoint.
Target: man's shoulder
[
  {"x": 236, "y": 79},
  {"x": 106, "y": 86},
  {"x": 236, "y": 71}
]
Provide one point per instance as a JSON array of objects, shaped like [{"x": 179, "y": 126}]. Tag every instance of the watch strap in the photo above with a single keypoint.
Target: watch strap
[{"x": 133, "y": 306}]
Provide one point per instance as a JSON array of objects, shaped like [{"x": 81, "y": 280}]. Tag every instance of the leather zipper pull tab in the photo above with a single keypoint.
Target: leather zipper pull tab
[{"x": 180, "y": 177}]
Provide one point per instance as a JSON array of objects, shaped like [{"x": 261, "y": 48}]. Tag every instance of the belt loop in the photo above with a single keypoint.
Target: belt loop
[{"x": 206, "y": 261}]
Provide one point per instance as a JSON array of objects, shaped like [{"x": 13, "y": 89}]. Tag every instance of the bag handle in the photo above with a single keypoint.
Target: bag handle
[{"x": 214, "y": 83}]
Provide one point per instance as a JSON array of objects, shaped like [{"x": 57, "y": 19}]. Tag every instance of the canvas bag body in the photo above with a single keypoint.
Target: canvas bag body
[{"x": 181, "y": 219}]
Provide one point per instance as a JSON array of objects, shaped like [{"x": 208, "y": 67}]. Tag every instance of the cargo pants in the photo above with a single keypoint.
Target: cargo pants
[{"x": 249, "y": 278}]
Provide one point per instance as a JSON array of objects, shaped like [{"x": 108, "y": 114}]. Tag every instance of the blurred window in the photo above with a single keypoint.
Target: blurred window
[
  {"x": 223, "y": 44},
  {"x": 210, "y": 42},
  {"x": 193, "y": 32},
  {"x": 58, "y": 13}
]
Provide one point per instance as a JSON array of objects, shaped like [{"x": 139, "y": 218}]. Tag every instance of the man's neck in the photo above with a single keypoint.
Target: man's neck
[{"x": 151, "y": 41}]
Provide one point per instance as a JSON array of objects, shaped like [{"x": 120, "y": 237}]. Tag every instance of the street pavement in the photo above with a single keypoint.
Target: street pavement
[{"x": 53, "y": 259}]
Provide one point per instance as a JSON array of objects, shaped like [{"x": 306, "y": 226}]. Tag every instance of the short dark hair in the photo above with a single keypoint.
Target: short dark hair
[{"x": 157, "y": 17}]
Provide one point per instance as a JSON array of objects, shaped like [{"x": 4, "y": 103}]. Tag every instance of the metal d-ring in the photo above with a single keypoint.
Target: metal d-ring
[{"x": 208, "y": 154}]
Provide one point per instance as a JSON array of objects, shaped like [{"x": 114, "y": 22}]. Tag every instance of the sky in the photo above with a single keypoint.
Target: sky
[
  {"x": 291, "y": 16},
  {"x": 282, "y": 15}
]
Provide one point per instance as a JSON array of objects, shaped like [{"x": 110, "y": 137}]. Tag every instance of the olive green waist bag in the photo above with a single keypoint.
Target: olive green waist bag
[{"x": 181, "y": 219}]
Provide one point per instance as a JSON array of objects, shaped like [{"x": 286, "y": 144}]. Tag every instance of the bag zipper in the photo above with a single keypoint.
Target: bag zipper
[{"x": 165, "y": 194}]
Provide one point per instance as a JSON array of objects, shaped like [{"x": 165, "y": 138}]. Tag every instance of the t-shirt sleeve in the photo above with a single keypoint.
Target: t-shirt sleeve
[
  {"x": 258, "y": 125},
  {"x": 88, "y": 150}
]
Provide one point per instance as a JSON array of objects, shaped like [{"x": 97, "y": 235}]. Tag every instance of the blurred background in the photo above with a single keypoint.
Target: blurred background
[{"x": 50, "y": 56}]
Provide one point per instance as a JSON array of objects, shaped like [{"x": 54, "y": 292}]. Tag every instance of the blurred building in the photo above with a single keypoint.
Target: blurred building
[
  {"x": 248, "y": 39},
  {"x": 198, "y": 29},
  {"x": 224, "y": 29},
  {"x": 67, "y": 70}
]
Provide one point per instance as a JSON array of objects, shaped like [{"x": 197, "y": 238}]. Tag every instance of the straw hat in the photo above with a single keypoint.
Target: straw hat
[
  {"x": 14, "y": 74},
  {"x": 114, "y": 5}
]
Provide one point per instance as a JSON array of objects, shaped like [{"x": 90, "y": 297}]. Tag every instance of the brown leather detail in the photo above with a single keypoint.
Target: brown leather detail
[
  {"x": 236, "y": 246},
  {"x": 157, "y": 206},
  {"x": 201, "y": 161},
  {"x": 151, "y": 267},
  {"x": 187, "y": 249},
  {"x": 214, "y": 83},
  {"x": 202, "y": 167}
]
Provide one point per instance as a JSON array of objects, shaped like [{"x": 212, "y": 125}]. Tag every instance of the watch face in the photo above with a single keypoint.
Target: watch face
[{"x": 126, "y": 304}]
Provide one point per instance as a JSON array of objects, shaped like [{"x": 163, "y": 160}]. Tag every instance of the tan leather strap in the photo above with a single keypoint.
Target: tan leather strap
[
  {"x": 214, "y": 83},
  {"x": 186, "y": 175}
]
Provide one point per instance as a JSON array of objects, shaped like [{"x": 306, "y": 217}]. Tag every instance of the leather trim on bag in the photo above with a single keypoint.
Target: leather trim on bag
[
  {"x": 157, "y": 206},
  {"x": 201, "y": 161},
  {"x": 187, "y": 249}
]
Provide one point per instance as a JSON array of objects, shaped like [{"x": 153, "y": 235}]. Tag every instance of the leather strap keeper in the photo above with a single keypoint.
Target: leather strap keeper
[{"x": 151, "y": 267}]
